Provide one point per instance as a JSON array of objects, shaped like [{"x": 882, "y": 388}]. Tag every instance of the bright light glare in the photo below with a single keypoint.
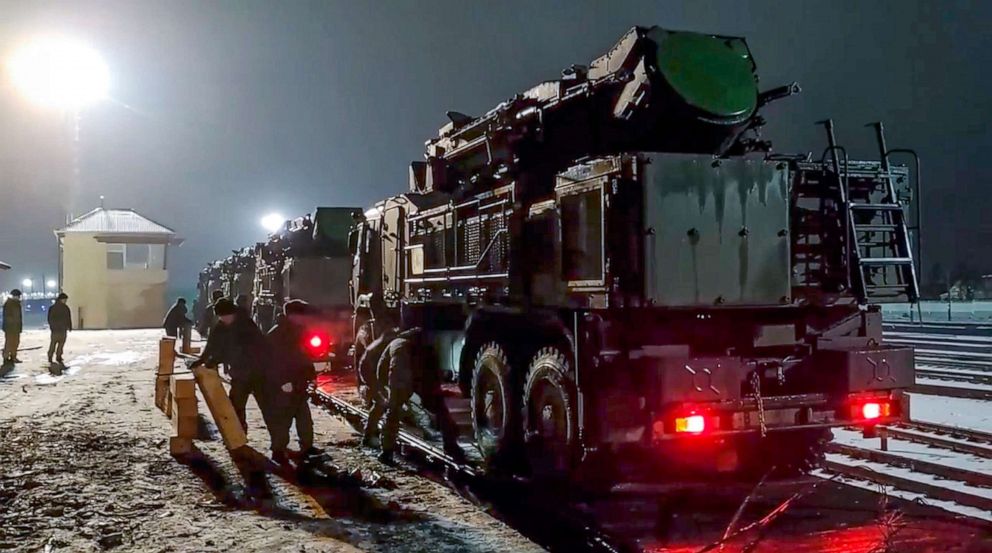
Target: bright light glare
[
  {"x": 272, "y": 222},
  {"x": 26, "y": 283},
  {"x": 51, "y": 284},
  {"x": 316, "y": 342},
  {"x": 871, "y": 411},
  {"x": 59, "y": 72},
  {"x": 693, "y": 424}
]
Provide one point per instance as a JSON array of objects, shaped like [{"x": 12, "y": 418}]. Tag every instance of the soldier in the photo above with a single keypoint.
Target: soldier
[
  {"x": 209, "y": 314},
  {"x": 237, "y": 342},
  {"x": 176, "y": 318},
  {"x": 12, "y": 326},
  {"x": 369, "y": 362},
  {"x": 287, "y": 382},
  {"x": 59, "y": 323},
  {"x": 405, "y": 368}
]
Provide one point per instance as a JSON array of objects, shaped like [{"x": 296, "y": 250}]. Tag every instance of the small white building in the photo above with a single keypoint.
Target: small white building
[{"x": 113, "y": 264}]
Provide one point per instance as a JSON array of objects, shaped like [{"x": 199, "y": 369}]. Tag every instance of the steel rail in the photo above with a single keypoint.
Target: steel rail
[
  {"x": 926, "y": 467},
  {"x": 914, "y": 486}
]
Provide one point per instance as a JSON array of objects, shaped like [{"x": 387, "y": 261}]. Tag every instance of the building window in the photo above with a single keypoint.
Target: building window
[
  {"x": 135, "y": 256},
  {"x": 115, "y": 257}
]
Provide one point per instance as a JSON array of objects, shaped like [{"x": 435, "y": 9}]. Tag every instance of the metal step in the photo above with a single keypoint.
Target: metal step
[
  {"x": 876, "y": 228},
  {"x": 875, "y": 207},
  {"x": 886, "y": 261}
]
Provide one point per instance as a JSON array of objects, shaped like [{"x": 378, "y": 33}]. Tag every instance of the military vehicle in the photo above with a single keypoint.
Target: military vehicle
[
  {"x": 308, "y": 259},
  {"x": 615, "y": 262}
]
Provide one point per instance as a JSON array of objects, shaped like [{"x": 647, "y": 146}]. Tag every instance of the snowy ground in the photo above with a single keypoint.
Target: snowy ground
[
  {"x": 966, "y": 413},
  {"x": 84, "y": 467}
]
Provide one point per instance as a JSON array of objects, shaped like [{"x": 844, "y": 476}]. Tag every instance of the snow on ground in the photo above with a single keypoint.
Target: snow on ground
[
  {"x": 909, "y": 496},
  {"x": 921, "y": 452},
  {"x": 975, "y": 414},
  {"x": 84, "y": 467}
]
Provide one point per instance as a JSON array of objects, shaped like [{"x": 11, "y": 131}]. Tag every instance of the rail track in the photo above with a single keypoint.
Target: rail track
[
  {"x": 953, "y": 359},
  {"x": 941, "y": 462},
  {"x": 645, "y": 514}
]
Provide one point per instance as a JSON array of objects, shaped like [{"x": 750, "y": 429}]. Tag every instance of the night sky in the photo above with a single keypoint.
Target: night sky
[{"x": 223, "y": 111}]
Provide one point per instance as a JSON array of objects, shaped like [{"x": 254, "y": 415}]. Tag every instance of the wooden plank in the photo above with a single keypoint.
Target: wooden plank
[
  {"x": 220, "y": 407},
  {"x": 185, "y": 426},
  {"x": 184, "y": 407},
  {"x": 187, "y": 338},
  {"x": 179, "y": 446},
  {"x": 166, "y": 355},
  {"x": 182, "y": 385},
  {"x": 161, "y": 392}
]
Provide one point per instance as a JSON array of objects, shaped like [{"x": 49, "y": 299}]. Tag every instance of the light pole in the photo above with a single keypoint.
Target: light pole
[
  {"x": 64, "y": 74},
  {"x": 50, "y": 283},
  {"x": 28, "y": 283}
]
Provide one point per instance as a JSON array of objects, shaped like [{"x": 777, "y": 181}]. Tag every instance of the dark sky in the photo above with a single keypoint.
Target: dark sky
[{"x": 223, "y": 111}]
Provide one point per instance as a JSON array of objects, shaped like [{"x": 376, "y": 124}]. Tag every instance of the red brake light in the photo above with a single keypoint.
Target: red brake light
[
  {"x": 872, "y": 410},
  {"x": 316, "y": 342},
  {"x": 693, "y": 424}
]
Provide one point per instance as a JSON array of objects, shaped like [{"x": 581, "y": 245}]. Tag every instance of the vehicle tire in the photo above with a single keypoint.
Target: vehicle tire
[
  {"x": 550, "y": 416},
  {"x": 494, "y": 404}
]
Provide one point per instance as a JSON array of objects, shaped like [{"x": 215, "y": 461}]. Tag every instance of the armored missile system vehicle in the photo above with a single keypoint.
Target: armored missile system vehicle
[
  {"x": 308, "y": 259},
  {"x": 616, "y": 262}
]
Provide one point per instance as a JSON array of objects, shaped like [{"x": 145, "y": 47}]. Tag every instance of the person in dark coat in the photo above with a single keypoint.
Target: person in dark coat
[
  {"x": 176, "y": 318},
  {"x": 287, "y": 382},
  {"x": 13, "y": 324},
  {"x": 369, "y": 363},
  {"x": 209, "y": 315},
  {"x": 60, "y": 324},
  {"x": 239, "y": 344},
  {"x": 405, "y": 368}
]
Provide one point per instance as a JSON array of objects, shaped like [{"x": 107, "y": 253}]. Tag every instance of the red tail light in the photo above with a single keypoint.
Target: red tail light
[
  {"x": 317, "y": 343},
  {"x": 871, "y": 410},
  {"x": 692, "y": 424}
]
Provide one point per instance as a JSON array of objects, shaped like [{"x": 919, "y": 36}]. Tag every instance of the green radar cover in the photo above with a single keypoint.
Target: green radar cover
[{"x": 712, "y": 74}]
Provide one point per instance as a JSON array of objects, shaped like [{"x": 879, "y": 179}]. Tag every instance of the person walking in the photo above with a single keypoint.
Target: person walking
[
  {"x": 59, "y": 324},
  {"x": 287, "y": 381},
  {"x": 404, "y": 369},
  {"x": 13, "y": 324},
  {"x": 176, "y": 318},
  {"x": 239, "y": 344}
]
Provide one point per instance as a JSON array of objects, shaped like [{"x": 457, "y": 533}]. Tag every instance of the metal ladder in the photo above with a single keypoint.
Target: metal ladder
[
  {"x": 880, "y": 255},
  {"x": 881, "y": 249}
]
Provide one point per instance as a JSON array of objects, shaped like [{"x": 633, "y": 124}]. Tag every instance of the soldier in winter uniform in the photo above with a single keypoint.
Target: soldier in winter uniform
[
  {"x": 369, "y": 363},
  {"x": 238, "y": 343},
  {"x": 59, "y": 323},
  {"x": 176, "y": 318},
  {"x": 287, "y": 381},
  {"x": 12, "y": 326},
  {"x": 405, "y": 368}
]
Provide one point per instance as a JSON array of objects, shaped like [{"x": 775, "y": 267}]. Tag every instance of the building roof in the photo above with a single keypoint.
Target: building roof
[{"x": 115, "y": 221}]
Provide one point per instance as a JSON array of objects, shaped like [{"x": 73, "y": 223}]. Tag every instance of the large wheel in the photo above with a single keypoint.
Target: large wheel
[
  {"x": 550, "y": 413},
  {"x": 494, "y": 403}
]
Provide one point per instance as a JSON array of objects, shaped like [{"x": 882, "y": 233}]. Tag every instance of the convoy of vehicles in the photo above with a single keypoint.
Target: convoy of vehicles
[{"x": 615, "y": 262}]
